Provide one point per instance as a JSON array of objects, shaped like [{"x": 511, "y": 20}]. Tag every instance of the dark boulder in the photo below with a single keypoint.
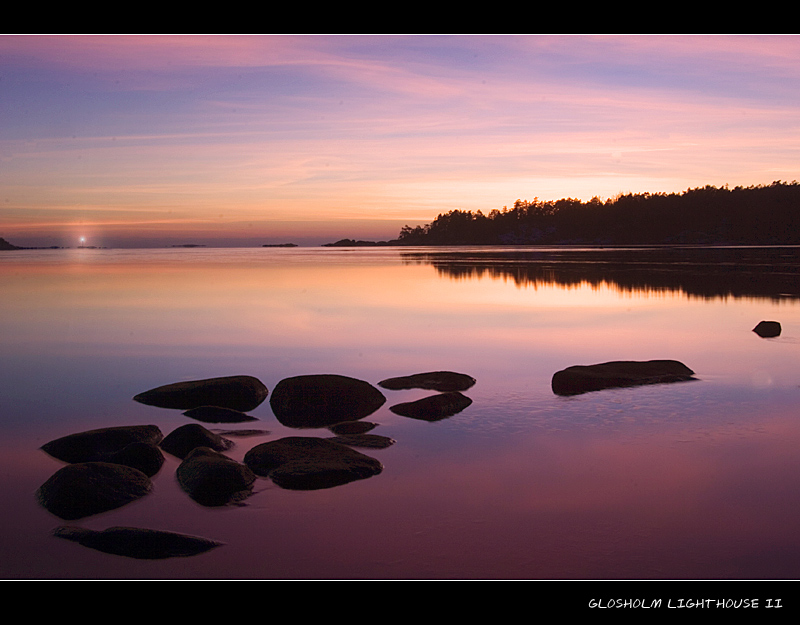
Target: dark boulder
[
  {"x": 305, "y": 463},
  {"x": 443, "y": 381},
  {"x": 181, "y": 441},
  {"x": 239, "y": 392},
  {"x": 212, "y": 479},
  {"x": 582, "y": 379},
  {"x": 146, "y": 457},
  {"x": 98, "y": 445},
  {"x": 433, "y": 408},
  {"x": 215, "y": 414},
  {"x": 768, "y": 329},
  {"x": 134, "y": 542},
  {"x": 86, "y": 488},
  {"x": 313, "y": 401}
]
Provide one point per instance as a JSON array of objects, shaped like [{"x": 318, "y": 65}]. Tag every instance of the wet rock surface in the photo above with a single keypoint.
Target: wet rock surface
[
  {"x": 768, "y": 329},
  {"x": 433, "y": 408},
  {"x": 98, "y": 445},
  {"x": 181, "y": 441},
  {"x": 585, "y": 378},
  {"x": 215, "y": 414},
  {"x": 134, "y": 542},
  {"x": 308, "y": 463},
  {"x": 86, "y": 488},
  {"x": 309, "y": 401},
  {"x": 238, "y": 392},
  {"x": 444, "y": 381},
  {"x": 212, "y": 479}
]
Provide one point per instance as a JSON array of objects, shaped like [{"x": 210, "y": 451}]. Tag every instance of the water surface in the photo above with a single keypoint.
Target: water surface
[{"x": 691, "y": 480}]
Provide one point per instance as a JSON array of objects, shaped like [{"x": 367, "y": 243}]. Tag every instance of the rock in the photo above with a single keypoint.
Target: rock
[
  {"x": 768, "y": 329},
  {"x": 243, "y": 433},
  {"x": 5, "y": 245},
  {"x": 368, "y": 441},
  {"x": 582, "y": 379},
  {"x": 238, "y": 392},
  {"x": 135, "y": 542},
  {"x": 212, "y": 479},
  {"x": 146, "y": 457},
  {"x": 433, "y": 408},
  {"x": 312, "y": 401},
  {"x": 86, "y": 488},
  {"x": 306, "y": 463},
  {"x": 184, "y": 439},
  {"x": 215, "y": 414},
  {"x": 98, "y": 445},
  {"x": 443, "y": 381},
  {"x": 352, "y": 427}
]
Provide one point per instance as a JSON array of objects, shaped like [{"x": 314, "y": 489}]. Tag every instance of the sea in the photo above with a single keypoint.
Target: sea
[{"x": 694, "y": 480}]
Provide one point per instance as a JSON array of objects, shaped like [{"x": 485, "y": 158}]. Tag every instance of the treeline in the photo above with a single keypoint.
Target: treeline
[{"x": 755, "y": 215}]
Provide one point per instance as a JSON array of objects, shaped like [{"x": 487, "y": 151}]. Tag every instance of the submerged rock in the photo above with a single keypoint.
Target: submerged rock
[
  {"x": 368, "y": 441},
  {"x": 238, "y": 392},
  {"x": 582, "y": 379},
  {"x": 181, "y": 441},
  {"x": 98, "y": 445},
  {"x": 443, "y": 381},
  {"x": 312, "y": 401},
  {"x": 433, "y": 408},
  {"x": 768, "y": 329},
  {"x": 212, "y": 479},
  {"x": 215, "y": 414},
  {"x": 135, "y": 542},
  {"x": 306, "y": 463},
  {"x": 85, "y": 488},
  {"x": 352, "y": 427}
]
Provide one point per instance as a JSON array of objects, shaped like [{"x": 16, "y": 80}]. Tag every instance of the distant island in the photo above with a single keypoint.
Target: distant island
[
  {"x": 755, "y": 215},
  {"x": 353, "y": 243},
  {"x": 280, "y": 245},
  {"x": 5, "y": 245}
]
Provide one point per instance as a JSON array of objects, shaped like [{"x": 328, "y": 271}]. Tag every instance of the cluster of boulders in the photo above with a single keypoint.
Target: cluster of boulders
[
  {"x": 110, "y": 467},
  {"x": 448, "y": 402}
]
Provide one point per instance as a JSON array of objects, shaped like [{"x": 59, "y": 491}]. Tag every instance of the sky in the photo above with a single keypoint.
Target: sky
[{"x": 130, "y": 141}]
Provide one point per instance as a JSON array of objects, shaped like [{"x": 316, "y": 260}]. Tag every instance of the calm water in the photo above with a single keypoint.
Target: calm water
[{"x": 692, "y": 480}]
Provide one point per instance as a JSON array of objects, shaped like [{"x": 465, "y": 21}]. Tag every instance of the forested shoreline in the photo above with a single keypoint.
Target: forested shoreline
[{"x": 755, "y": 215}]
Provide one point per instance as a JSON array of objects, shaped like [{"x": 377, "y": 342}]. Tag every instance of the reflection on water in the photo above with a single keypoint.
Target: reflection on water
[
  {"x": 691, "y": 480},
  {"x": 706, "y": 272}
]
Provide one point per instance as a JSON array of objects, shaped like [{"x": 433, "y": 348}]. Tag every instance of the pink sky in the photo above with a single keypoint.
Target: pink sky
[{"x": 244, "y": 140}]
